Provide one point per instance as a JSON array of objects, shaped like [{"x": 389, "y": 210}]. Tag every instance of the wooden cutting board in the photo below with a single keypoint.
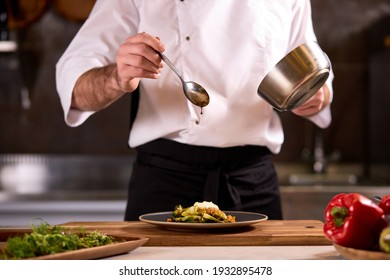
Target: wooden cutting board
[{"x": 271, "y": 232}]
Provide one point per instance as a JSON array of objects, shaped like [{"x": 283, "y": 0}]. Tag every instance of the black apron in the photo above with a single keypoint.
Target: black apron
[{"x": 167, "y": 173}]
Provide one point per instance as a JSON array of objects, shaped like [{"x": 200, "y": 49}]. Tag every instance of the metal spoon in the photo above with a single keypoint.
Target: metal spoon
[{"x": 193, "y": 91}]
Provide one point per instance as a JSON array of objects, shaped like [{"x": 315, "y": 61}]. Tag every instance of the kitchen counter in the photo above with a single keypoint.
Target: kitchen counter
[
  {"x": 266, "y": 240},
  {"x": 327, "y": 252}
]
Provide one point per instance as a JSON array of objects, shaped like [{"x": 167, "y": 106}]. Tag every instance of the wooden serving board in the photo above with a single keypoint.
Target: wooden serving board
[
  {"x": 270, "y": 232},
  {"x": 123, "y": 244}
]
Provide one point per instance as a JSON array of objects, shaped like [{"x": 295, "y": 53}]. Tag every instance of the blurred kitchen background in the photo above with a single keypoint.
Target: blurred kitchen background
[{"x": 57, "y": 173}]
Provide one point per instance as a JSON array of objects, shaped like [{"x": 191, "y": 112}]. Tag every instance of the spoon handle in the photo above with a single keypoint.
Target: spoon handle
[{"x": 170, "y": 64}]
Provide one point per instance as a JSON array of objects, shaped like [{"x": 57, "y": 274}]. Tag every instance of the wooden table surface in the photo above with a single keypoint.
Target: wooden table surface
[{"x": 266, "y": 233}]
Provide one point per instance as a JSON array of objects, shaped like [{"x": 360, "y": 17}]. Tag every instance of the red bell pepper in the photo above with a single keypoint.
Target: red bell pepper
[
  {"x": 353, "y": 220},
  {"x": 385, "y": 204}
]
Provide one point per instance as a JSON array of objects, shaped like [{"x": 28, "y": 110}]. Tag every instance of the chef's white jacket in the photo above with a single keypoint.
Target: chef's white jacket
[{"x": 227, "y": 46}]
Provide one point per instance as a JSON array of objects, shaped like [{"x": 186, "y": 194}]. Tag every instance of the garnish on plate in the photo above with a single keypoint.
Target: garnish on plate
[{"x": 200, "y": 212}]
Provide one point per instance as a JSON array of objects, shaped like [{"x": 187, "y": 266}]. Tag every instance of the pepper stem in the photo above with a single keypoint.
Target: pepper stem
[{"x": 339, "y": 214}]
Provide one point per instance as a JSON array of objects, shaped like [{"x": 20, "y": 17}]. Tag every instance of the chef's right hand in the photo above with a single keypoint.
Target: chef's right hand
[{"x": 137, "y": 58}]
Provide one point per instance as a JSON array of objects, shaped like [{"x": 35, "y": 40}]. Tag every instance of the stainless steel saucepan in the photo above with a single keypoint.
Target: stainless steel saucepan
[{"x": 296, "y": 77}]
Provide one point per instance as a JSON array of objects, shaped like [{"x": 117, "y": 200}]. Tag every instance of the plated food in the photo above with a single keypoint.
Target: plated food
[
  {"x": 202, "y": 216},
  {"x": 200, "y": 212}
]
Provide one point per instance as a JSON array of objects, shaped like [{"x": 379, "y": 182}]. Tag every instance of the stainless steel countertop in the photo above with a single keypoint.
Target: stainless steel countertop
[
  {"x": 36, "y": 176},
  {"x": 35, "y": 183}
]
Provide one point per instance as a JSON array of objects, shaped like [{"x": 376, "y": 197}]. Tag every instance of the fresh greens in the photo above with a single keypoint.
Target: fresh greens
[{"x": 46, "y": 239}]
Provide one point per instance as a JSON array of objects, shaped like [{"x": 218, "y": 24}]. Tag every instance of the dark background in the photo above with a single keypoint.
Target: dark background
[{"x": 359, "y": 132}]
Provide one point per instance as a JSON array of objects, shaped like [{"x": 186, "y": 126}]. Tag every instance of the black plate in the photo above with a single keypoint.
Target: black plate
[{"x": 243, "y": 219}]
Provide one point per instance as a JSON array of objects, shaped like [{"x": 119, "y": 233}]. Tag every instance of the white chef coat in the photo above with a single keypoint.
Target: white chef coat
[{"x": 227, "y": 46}]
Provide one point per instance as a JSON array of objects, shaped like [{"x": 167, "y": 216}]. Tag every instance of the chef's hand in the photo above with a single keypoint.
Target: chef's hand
[
  {"x": 315, "y": 104},
  {"x": 99, "y": 87},
  {"x": 137, "y": 58}
]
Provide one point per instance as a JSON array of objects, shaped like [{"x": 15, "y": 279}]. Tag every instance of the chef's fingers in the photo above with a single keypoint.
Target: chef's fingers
[
  {"x": 137, "y": 57},
  {"x": 153, "y": 41},
  {"x": 146, "y": 45},
  {"x": 312, "y": 106}
]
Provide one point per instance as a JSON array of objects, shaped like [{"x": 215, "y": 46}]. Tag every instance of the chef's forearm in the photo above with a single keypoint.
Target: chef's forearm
[{"x": 96, "y": 89}]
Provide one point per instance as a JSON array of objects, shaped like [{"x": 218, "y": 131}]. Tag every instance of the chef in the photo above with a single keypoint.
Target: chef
[{"x": 185, "y": 153}]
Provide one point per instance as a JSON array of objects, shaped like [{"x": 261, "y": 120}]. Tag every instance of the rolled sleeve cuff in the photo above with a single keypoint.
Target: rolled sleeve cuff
[
  {"x": 324, "y": 118},
  {"x": 66, "y": 80}
]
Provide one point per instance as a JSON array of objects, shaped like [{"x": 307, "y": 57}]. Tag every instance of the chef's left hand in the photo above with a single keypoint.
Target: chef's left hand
[{"x": 315, "y": 104}]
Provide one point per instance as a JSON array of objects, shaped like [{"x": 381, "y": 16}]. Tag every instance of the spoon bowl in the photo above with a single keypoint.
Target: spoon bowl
[{"x": 194, "y": 92}]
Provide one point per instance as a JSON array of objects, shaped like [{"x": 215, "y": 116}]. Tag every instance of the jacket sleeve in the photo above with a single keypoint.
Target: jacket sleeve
[
  {"x": 303, "y": 31},
  {"x": 95, "y": 45}
]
